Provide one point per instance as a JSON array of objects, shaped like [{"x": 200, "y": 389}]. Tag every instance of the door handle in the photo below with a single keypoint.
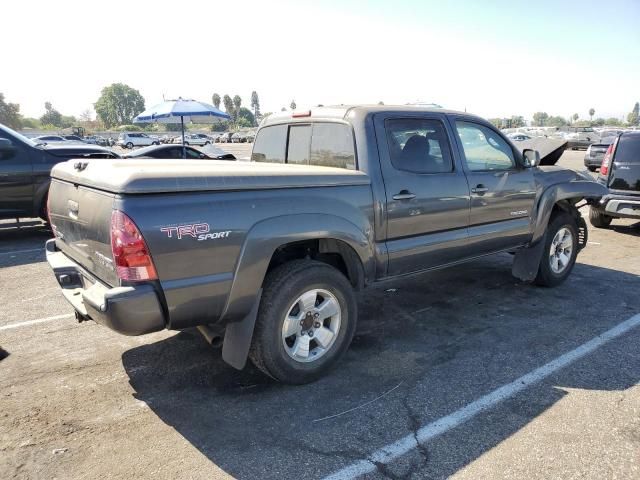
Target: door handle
[
  {"x": 404, "y": 195},
  {"x": 479, "y": 189}
]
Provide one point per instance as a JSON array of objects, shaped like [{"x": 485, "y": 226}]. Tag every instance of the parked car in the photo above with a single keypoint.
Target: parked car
[
  {"x": 518, "y": 137},
  {"x": 73, "y": 138},
  {"x": 266, "y": 258},
  {"x": 225, "y": 137},
  {"x": 24, "y": 171},
  {"x": 238, "y": 137},
  {"x": 192, "y": 139},
  {"x": 175, "y": 151},
  {"x": 595, "y": 153},
  {"x": 250, "y": 136},
  {"x": 581, "y": 137},
  {"x": 96, "y": 140},
  {"x": 49, "y": 139},
  {"x": 620, "y": 173},
  {"x": 130, "y": 140}
]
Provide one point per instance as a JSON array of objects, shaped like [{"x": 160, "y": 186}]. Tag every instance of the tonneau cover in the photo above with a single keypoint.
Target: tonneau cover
[{"x": 158, "y": 176}]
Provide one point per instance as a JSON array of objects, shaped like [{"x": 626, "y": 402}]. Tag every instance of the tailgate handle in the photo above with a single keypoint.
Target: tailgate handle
[{"x": 74, "y": 207}]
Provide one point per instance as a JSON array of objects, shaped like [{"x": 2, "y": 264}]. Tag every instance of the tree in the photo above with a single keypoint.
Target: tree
[
  {"x": 216, "y": 100},
  {"x": 575, "y": 117},
  {"x": 539, "y": 118},
  {"x": 118, "y": 104},
  {"x": 228, "y": 105},
  {"x": 51, "y": 116},
  {"x": 380, "y": 102},
  {"x": 634, "y": 116},
  {"x": 9, "y": 113},
  {"x": 591, "y": 114},
  {"x": 283, "y": 109},
  {"x": 247, "y": 115},
  {"x": 255, "y": 104},
  {"x": 86, "y": 116},
  {"x": 613, "y": 122},
  {"x": 293, "y": 105},
  {"x": 599, "y": 122},
  {"x": 555, "y": 121},
  {"x": 517, "y": 121},
  {"x": 237, "y": 101}
]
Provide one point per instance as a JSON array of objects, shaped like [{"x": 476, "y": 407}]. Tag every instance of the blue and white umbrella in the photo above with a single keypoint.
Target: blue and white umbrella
[{"x": 186, "y": 110}]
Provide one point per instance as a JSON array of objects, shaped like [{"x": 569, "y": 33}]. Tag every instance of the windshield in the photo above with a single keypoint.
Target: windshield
[{"x": 19, "y": 136}]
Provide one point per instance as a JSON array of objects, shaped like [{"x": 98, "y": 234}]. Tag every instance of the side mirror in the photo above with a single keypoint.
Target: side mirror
[
  {"x": 531, "y": 158},
  {"x": 6, "y": 145}
]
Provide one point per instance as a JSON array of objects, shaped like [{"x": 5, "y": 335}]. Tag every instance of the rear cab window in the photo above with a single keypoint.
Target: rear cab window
[{"x": 319, "y": 143}]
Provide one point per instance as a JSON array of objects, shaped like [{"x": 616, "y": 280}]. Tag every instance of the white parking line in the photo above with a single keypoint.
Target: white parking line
[
  {"x": 36, "y": 321},
  {"x": 17, "y": 252},
  {"x": 403, "y": 446}
]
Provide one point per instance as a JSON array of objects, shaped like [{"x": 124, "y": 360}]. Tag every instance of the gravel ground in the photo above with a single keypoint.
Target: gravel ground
[{"x": 79, "y": 401}]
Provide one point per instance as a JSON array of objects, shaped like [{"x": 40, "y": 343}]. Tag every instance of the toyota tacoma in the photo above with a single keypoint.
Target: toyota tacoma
[{"x": 264, "y": 257}]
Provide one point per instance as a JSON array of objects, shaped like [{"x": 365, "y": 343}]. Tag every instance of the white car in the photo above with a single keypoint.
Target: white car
[
  {"x": 196, "y": 139},
  {"x": 130, "y": 140}
]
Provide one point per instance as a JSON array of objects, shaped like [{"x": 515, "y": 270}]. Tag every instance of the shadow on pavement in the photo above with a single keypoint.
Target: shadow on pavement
[
  {"x": 23, "y": 243},
  {"x": 633, "y": 229},
  {"x": 438, "y": 341}
]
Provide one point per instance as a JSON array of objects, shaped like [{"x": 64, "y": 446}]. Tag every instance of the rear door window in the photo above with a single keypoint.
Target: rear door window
[
  {"x": 332, "y": 146},
  {"x": 628, "y": 150},
  {"x": 270, "y": 144}
]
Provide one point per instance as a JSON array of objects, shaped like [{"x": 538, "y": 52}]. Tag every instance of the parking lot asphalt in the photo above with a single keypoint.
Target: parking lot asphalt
[{"x": 495, "y": 378}]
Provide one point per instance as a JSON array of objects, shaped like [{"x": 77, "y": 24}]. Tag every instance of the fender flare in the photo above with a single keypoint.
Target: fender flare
[
  {"x": 260, "y": 244},
  {"x": 527, "y": 260}
]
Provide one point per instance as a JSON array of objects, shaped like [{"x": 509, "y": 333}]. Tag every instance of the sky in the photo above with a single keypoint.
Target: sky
[{"x": 492, "y": 58}]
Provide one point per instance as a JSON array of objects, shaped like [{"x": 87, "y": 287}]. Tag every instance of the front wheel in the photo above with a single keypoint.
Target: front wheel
[
  {"x": 129, "y": 145},
  {"x": 560, "y": 251},
  {"x": 306, "y": 320}
]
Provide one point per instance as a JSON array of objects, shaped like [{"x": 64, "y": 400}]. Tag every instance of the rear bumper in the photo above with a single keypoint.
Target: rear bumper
[
  {"x": 621, "y": 206},
  {"x": 592, "y": 162},
  {"x": 132, "y": 310}
]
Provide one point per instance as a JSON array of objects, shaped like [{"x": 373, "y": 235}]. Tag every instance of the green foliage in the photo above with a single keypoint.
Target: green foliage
[
  {"x": 243, "y": 123},
  {"x": 613, "y": 122},
  {"x": 575, "y": 117},
  {"x": 30, "y": 123},
  {"x": 51, "y": 116},
  {"x": 118, "y": 104},
  {"x": 246, "y": 114},
  {"x": 255, "y": 104},
  {"x": 237, "y": 101},
  {"x": 634, "y": 116},
  {"x": 599, "y": 122},
  {"x": 293, "y": 105},
  {"x": 539, "y": 118},
  {"x": 592, "y": 112},
  {"x": 9, "y": 113},
  {"x": 555, "y": 121},
  {"x": 216, "y": 100},
  {"x": 129, "y": 128},
  {"x": 221, "y": 126}
]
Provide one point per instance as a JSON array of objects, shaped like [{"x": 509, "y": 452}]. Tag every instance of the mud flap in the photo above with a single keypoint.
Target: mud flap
[
  {"x": 527, "y": 261},
  {"x": 237, "y": 337}
]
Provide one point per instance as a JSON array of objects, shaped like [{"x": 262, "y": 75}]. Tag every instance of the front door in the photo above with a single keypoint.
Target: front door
[
  {"x": 502, "y": 190},
  {"x": 427, "y": 195}
]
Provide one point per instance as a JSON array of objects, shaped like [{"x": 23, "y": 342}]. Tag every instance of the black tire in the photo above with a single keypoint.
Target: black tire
[
  {"x": 592, "y": 169},
  {"x": 207, "y": 143},
  {"x": 155, "y": 143},
  {"x": 129, "y": 145},
  {"x": 546, "y": 277},
  {"x": 598, "y": 219},
  {"x": 282, "y": 287},
  {"x": 186, "y": 144}
]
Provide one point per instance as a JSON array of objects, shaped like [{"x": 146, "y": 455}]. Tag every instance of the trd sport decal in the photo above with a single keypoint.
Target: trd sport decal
[{"x": 199, "y": 231}]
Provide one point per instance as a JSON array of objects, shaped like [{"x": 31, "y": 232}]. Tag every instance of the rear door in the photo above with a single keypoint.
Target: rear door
[
  {"x": 427, "y": 194},
  {"x": 16, "y": 179},
  {"x": 502, "y": 191},
  {"x": 625, "y": 170}
]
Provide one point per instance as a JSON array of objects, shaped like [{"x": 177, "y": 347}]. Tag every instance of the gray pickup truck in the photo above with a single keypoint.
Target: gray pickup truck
[{"x": 264, "y": 257}]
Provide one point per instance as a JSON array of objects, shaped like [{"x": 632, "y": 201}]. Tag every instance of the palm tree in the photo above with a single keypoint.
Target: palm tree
[
  {"x": 237, "y": 101},
  {"x": 216, "y": 100},
  {"x": 591, "y": 114},
  {"x": 293, "y": 105}
]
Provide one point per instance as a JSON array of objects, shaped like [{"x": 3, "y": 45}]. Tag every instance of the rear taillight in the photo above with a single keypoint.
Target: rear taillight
[
  {"x": 606, "y": 161},
  {"x": 130, "y": 252}
]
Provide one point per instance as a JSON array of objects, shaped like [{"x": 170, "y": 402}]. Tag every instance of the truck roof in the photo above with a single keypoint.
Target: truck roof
[{"x": 340, "y": 112}]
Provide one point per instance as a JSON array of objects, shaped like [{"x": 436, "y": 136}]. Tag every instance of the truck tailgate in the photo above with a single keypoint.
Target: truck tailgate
[{"x": 81, "y": 221}]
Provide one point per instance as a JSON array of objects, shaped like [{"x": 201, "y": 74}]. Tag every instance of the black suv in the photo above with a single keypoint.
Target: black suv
[
  {"x": 620, "y": 173},
  {"x": 25, "y": 166}
]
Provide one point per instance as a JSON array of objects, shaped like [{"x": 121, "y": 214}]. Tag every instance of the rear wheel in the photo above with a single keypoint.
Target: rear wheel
[
  {"x": 129, "y": 145},
  {"x": 560, "y": 251},
  {"x": 305, "y": 323},
  {"x": 598, "y": 219}
]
